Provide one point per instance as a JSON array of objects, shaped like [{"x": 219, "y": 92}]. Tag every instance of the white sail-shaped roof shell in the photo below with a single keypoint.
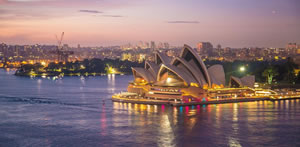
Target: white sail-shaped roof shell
[
  {"x": 145, "y": 74},
  {"x": 248, "y": 81},
  {"x": 186, "y": 69},
  {"x": 184, "y": 75},
  {"x": 177, "y": 61},
  {"x": 191, "y": 56},
  {"x": 152, "y": 68},
  {"x": 244, "y": 81},
  {"x": 161, "y": 58},
  {"x": 237, "y": 80},
  {"x": 217, "y": 74}
]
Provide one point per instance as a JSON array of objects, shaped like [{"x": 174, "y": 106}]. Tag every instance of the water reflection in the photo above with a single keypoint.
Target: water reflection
[
  {"x": 218, "y": 115},
  {"x": 111, "y": 82},
  {"x": 233, "y": 139},
  {"x": 103, "y": 122},
  {"x": 166, "y": 134},
  {"x": 233, "y": 121},
  {"x": 235, "y": 112},
  {"x": 39, "y": 84},
  {"x": 233, "y": 142},
  {"x": 67, "y": 116}
]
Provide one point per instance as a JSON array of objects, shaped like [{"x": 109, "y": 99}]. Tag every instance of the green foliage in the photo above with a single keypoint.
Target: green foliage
[
  {"x": 85, "y": 67},
  {"x": 270, "y": 72},
  {"x": 283, "y": 70},
  {"x": 289, "y": 67}
]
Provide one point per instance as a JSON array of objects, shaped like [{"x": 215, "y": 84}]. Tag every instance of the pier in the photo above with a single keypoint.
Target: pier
[{"x": 141, "y": 100}]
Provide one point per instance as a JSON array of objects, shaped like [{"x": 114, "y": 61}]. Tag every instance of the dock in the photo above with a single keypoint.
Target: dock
[{"x": 141, "y": 100}]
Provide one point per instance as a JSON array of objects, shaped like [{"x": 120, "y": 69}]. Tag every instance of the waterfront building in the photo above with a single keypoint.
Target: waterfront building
[{"x": 186, "y": 78}]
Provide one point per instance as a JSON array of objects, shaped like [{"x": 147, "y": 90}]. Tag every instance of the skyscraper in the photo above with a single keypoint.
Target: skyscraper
[
  {"x": 166, "y": 45},
  {"x": 152, "y": 45},
  {"x": 140, "y": 45},
  {"x": 160, "y": 45},
  {"x": 298, "y": 50},
  {"x": 147, "y": 45},
  {"x": 204, "y": 47},
  {"x": 291, "y": 48}
]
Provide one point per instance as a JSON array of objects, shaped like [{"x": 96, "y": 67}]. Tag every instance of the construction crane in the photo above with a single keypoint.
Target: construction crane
[
  {"x": 59, "y": 41},
  {"x": 62, "y": 55}
]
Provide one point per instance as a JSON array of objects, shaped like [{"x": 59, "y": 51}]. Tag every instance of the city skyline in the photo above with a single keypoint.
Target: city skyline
[
  {"x": 95, "y": 23},
  {"x": 149, "y": 73}
]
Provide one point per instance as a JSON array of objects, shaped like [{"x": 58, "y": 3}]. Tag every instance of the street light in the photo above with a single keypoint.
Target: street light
[
  {"x": 169, "y": 80},
  {"x": 242, "y": 68}
]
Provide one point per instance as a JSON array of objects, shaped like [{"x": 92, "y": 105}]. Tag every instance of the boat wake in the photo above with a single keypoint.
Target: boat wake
[{"x": 48, "y": 101}]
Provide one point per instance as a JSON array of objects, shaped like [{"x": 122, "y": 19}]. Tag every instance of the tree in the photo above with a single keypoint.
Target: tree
[
  {"x": 270, "y": 72},
  {"x": 298, "y": 79},
  {"x": 290, "y": 66}
]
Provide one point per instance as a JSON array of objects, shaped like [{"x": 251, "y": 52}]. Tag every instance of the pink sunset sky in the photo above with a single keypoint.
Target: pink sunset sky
[{"x": 234, "y": 23}]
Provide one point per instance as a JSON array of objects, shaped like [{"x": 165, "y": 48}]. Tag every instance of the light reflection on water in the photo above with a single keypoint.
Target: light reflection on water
[
  {"x": 78, "y": 112},
  {"x": 230, "y": 128}
]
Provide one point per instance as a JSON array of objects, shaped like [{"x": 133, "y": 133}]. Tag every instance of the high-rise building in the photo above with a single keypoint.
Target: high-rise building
[
  {"x": 219, "y": 50},
  {"x": 170, "y": 53},
  {"x": 153, "y": 45},
  {"x": 140, "y": 45},
  {"x": 166, "y": 45},
  {"x": 291, "y": 48},
  {"x": 160, "y": 45},
  {"x": 227, "y": 49},
  {"x": 298, "y": 50},
  {"x": 126, "y": 56},
  {"x": 219, "y": 46},
  {"x": 147, "y": 45},
  {"x": 65, "y": 46},
  {"x": 204, "y": 47},
  {"x": 126, "y": 46},
  {"x": 291, "y": 45},
  {"x": 141, "y": 57}
]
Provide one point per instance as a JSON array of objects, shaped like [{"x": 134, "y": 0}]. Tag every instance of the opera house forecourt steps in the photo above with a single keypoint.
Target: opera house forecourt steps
[{"x": 186, "y": 80}]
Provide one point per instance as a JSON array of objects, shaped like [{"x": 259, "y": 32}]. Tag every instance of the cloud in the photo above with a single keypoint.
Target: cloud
[
  {"x": 180, "y": 21},
  {"x": 90, "y": 11},
  {"x": 112, "y": 15},
  {"x": 99, "y": 12}
]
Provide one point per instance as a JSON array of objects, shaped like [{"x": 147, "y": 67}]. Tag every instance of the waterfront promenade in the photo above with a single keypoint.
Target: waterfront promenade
[{"x": 141, "y": 100}]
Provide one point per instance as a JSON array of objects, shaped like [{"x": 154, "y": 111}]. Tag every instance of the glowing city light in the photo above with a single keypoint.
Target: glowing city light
[
  {"x": 43, "y": 63},
  {"x": 169, "y": 80},
  {"x": 242, "y": 69},
  {"x": 113, "y": 70}
]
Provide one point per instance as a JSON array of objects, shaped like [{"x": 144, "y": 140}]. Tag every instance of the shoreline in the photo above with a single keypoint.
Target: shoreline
[
  {"x": 172, "y": 103},
  {"x": 67, "y": 75}
]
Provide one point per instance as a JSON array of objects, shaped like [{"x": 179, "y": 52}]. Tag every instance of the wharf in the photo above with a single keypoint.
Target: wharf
[
  {"x": 220, "y": 101},
  {"x": 140, "y": 100}
]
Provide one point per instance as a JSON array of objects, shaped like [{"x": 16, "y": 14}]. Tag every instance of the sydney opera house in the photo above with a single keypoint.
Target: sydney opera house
[{"x": 186, "y": 78}]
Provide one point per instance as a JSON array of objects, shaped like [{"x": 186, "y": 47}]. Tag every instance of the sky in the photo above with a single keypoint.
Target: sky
[{"x": 231, "y": 23}]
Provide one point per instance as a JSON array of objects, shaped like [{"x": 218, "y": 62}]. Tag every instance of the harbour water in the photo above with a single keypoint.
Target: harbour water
[{"x": 78, "y": 111}]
